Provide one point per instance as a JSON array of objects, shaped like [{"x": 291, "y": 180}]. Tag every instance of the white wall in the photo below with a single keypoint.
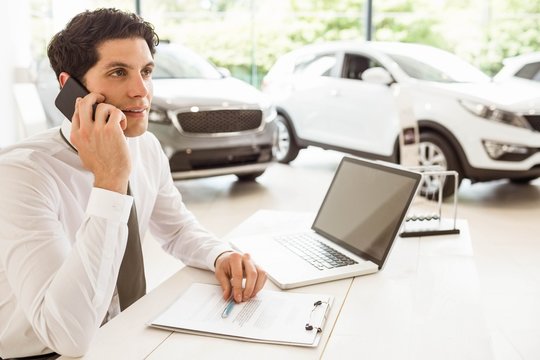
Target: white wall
[
  {"x": 8, "y": 124},
  {"x": 22, "y": 114}
]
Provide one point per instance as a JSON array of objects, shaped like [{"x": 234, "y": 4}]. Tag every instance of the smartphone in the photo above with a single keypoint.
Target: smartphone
[{"x": 65, "y": 101}]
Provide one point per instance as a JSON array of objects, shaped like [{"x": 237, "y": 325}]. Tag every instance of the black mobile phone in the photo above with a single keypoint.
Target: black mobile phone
[{"x": 65, "y": 101}]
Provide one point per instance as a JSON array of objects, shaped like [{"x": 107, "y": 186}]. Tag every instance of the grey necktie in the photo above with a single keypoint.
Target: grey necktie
[{"x": 131, "y": 282}]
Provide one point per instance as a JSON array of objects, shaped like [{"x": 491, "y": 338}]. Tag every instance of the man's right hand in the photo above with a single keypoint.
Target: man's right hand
[{"x": 101, "y": 143}]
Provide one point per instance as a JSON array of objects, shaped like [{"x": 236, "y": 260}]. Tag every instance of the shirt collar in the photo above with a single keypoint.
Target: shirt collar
[{"x": 65, "y": 129}]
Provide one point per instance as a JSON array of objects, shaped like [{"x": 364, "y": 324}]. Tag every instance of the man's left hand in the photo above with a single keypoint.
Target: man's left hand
[{"x": 232, "y": 268}]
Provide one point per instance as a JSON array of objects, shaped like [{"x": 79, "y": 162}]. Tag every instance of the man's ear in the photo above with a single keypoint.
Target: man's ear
[{"x": 62, "y": 78}]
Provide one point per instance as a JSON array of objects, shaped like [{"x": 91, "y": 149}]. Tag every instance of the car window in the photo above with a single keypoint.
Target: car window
[
  {"x": 530, "y": 71},
  {"x": 355, "y": 65},
  {"x": 439, "y": 67},
  {"x": 420, "y": 70},
  {"x": 179, "y": 63},
  {"x": 316, "y": 65}
]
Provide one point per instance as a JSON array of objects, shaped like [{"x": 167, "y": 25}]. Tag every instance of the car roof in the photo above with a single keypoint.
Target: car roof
[
  {"x": 523, "y": 58},
  {"x": 384, "y": 46},
  {"x": 514, "y": 64}
]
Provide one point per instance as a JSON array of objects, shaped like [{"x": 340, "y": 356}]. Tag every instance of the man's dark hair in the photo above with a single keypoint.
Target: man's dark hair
[{"x": 74, "y": 49}]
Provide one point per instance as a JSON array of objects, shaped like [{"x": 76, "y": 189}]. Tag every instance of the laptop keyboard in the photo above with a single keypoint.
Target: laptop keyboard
[{"x": 314, "y": 251}]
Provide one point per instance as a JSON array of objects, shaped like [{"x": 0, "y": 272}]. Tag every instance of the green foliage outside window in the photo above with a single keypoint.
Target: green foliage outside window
[{"x": 247, "y": 36}]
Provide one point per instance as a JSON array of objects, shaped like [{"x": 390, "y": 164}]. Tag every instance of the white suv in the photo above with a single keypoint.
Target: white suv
[{"x": 341, "y": 95}]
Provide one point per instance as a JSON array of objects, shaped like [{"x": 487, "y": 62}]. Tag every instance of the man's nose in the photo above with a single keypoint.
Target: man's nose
[{"x": 138, "y": 87}]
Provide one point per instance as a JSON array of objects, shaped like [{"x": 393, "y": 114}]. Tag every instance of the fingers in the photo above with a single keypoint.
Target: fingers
[
  {"x": 75, "y": 120},
  {"x": 255, "y": 277},
  {"x": 101, "y": 142},
  {"x": 237, "y": 275},
  {"x": 250, "y": 272},
  {"x": 91, "y": 112},
  {"x": 224, "y": 282},
  {"x": 109, "y": 115},
  {"x": 85, "y": 110},
  {"x": 261, "y": 280},
  {"x": 231, "y": 271}
]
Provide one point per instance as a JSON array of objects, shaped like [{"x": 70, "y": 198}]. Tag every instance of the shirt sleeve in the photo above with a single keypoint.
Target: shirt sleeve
[
  {"x": 177, "y": 229},
  {"x": 64, "y": 286}
]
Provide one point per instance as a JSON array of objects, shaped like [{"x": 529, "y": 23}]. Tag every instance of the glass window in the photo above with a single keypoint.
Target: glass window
[
  {"x": 319, "y": 65},
  {"x": 355, "y": 65},
  {"x": 438, "y": 66},
  {"x": 180, "y": 63},
  {"x": 530, "y": 71}
]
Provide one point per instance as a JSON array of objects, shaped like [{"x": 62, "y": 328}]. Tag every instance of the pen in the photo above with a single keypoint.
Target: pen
[{"x": 227, "y": 309}]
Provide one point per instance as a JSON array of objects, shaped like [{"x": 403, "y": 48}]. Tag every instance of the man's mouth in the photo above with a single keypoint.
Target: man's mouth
[{"x": 135, "y": 111}]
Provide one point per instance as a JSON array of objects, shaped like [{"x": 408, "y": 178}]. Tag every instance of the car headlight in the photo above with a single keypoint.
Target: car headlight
[
  {"x": 494, "y": 114},
  {"x": 158, "y": 115},
  {"x": 269, "y": 113}
]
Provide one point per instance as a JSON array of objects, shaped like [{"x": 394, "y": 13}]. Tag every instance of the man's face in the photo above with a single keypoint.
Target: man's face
[{"x": 123, "y": 74}]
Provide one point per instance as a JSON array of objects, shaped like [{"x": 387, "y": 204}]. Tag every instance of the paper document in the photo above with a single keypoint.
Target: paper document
[{"x": 272, "y": 316}]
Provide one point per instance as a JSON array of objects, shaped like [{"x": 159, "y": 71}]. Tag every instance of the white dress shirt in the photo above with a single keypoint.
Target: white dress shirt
[{"x": 62, "y": 240}]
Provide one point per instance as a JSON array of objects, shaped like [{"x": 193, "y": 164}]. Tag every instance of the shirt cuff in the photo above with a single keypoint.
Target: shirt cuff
[
  {"x": 109, "y": 204},
  {"x": 214, "y": 253}
]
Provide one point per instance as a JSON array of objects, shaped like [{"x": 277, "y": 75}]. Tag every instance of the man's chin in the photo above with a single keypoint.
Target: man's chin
[{"x": 134, "y": 130}]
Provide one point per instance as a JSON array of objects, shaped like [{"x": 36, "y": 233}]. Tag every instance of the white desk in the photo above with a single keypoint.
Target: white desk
[{"x": 424, "y": 305}]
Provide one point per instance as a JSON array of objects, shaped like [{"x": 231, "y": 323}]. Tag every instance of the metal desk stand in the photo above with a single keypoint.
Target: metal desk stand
[{"x": 425, "y": 216}]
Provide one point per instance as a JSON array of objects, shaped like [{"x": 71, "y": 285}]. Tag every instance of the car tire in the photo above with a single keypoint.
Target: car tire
[
  {"x": 249, "y": 176},
  {"x": 436, "y": 151},
  {"x": 286, "y": 148},
  {"x": 523, "y": 181}
]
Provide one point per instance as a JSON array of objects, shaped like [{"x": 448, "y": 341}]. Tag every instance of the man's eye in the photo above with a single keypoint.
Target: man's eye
[
  {"x": 119, "y": 72},
  {"x": 147, "y": 72}
]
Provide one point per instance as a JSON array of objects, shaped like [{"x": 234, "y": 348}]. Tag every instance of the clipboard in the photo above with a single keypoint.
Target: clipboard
[{"x": 274, "y": 317}]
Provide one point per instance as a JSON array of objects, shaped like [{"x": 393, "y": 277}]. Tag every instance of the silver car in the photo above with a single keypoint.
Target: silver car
[{"x": 207, "y": 122}]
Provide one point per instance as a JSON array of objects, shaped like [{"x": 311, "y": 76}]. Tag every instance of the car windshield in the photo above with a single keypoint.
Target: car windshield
[
  {"x": 177, "y": 62},
  {"x": 439, "y": 66}
]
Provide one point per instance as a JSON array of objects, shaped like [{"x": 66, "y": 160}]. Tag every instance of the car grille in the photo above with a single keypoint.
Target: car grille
[
  {"x": 534, "y": 121},
  {"x": 219, "y": 121}
]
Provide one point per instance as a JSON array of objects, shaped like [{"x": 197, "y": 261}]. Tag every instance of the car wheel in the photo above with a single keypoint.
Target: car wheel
[
  {"x": 249, "y": 176},
  {"x": 523, "y": 181},
  {"x": 286, "y": 148},
  {"x": 435, "y": 151}
]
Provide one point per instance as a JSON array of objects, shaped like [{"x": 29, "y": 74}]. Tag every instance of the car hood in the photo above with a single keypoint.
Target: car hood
[
  {"x": 177, "y": 93},
  {"x": 509, "y": 95}
]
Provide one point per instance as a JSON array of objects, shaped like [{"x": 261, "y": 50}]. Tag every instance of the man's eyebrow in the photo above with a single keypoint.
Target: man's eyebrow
[{"x": 117, "y": 64}]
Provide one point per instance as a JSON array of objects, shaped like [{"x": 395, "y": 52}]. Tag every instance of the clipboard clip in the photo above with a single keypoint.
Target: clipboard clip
[{"x": 309, "y": 326}]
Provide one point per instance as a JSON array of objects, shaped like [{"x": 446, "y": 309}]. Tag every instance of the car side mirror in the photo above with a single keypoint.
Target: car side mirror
[{"x": 377, "y": 75}]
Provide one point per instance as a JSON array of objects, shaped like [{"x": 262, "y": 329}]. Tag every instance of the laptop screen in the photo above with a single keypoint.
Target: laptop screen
[{"x": 365, "y": 206}]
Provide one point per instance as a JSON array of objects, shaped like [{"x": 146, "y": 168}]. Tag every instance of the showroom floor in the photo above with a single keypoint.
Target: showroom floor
[{"x": 502, "y": 217}]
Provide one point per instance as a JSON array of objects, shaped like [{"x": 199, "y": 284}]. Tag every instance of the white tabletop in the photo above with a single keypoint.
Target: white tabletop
[{"x": 425, "y": 304}]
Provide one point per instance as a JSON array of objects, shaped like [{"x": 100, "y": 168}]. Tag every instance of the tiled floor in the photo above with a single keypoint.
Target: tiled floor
[{"x": 503, "y": 220}]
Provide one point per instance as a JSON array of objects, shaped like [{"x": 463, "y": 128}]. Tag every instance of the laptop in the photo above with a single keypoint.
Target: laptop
[{"x": 355, "y": 227}]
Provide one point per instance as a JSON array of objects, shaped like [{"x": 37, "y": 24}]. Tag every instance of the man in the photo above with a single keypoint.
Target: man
[{"x": 65, "y": 208}]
